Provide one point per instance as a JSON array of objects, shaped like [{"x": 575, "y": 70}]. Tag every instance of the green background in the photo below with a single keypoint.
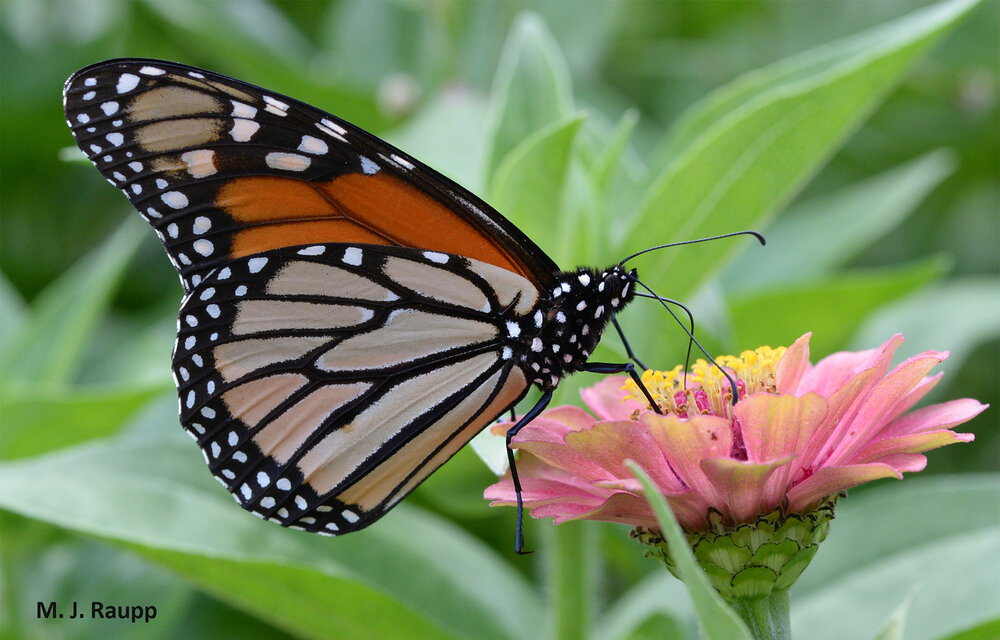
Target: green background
[{"x": 861, "y": 137}]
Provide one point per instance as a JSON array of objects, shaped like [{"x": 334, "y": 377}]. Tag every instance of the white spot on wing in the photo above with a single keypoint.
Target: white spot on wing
[
  {"x": 313, "y": 145},
  {"x": 201, "y": 225},
  {"x": 513, "y": 329},
  {"x": 243, "y": 129},
  {"x": 275, "y": 106},
  {"x": 312, "y": 251},
  {"x": 151, "y": 71},
  {"x": 243, "y": 110},
  {"x": 174, "y": 199},
  {"x": 330, "y": 124},
  {"x": 200, "y": 162},
  {"x": 401, "y": 161},
  {"x": 203, "y": 247},
  {"x": 135, "y": 166},
  {"x": 82, "y": 118},
  {"x": 287, "y": 161},
  {"x": 115, "y": 138},
  {"x": 256, "y": 264},
  {"x": 127, "y": 82},
  {"x": 368, "y": 166},
  {"x": 434, "y": 256},
  {"x": 352, "y": 256}
]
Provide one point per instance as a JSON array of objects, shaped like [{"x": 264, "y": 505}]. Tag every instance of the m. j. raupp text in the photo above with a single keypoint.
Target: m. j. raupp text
[{"x": 97, "y": 611}]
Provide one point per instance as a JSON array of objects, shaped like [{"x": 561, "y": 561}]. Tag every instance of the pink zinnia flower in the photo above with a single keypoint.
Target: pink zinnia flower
[{"x": 799, "y": 434}]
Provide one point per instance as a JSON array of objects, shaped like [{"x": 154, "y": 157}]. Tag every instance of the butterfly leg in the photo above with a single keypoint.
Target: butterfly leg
[
  {"x": 629, "y": 368},
  {"x": 628, "y": 347},
  {"x": 525, "y": 419}
]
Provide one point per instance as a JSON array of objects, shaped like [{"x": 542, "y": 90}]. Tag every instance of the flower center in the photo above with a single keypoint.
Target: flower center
[{"x": 704, "y": 389}]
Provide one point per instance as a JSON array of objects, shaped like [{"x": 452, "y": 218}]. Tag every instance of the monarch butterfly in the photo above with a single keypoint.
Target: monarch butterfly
[{"x": 351, "y": 318}]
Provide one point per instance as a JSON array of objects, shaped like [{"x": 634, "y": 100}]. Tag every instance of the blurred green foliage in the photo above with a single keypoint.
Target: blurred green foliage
[{"x": 861, "y": 137}]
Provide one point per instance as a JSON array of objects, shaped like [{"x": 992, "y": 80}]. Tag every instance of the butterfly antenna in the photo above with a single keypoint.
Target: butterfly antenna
[
  {"x": 759, "y": 237},
  {"x": 732, "y": 383},
  {"x": 628, "y": 347},
  {"x": 687, "y": 357}
]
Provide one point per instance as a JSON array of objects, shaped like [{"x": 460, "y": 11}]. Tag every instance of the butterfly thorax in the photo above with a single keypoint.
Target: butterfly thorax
[{"x": 573, "y": 316}]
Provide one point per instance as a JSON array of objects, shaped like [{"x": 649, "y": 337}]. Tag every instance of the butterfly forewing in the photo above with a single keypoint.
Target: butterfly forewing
[
  {"x": 324, "y": 383},
  {"x": 223, "y": 169}
]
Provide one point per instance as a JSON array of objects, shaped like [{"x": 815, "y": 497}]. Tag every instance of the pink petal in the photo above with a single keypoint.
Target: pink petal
[
  {"x": 830, "y": 480},
  {"x": 568, "y": 459},
  {"x": 906, "y": 462},
  {"x": 774, "y": 427},
  {"x": 793, "y": 365},
  {"x": 915, "y": 443},
  {"x": 610, "y": 444},
  {"x": 836, "y": 369},
  {"x": 842, "y": 406},
  {"x": 540, "y": 482},
  {"x": 605, "y": 399},
  {"x": 871, "y": 418},
  {"x": 620, "y": 507},
  {"x": 685, "y": 444},
  {"x": 743, "y": 486},
  {"x": 551, "y": 426},
  {"x": 937, "y": 416},
  {"x": 914, "y": 396}
]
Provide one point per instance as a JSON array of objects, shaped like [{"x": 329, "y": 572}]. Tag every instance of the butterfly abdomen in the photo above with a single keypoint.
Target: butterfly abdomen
[{"x": 578, "y": 309}]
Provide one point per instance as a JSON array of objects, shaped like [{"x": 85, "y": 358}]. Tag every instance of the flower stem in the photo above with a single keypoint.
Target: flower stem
[
  {"x": 570, "y": 575},
  {"x": 766, "y": 617}
]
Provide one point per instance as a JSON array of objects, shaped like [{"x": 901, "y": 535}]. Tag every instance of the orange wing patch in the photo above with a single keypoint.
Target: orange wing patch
[{"x": 352, "y": 208}]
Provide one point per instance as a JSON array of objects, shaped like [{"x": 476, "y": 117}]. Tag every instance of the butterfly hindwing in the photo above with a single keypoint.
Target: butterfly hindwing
[
  {"x": 324, "y": 383},
  {"x": 223, "y": 169}
]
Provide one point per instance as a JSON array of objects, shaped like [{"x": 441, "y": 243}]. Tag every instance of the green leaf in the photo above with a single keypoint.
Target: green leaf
[
  {"x": 718, "y": 620},
  {"x": 529, "y": 183},
  {"x": 447, "y": 134},
  {"x": 937, "y": 534},
  {"x": 412, "y": 576},
  {"x": 989, "y": 630},
  {"x": 743, "y": 166},
  {"x": 613, "y": 153},
  {"x": 832, "y": 308},
  {"x": 824, "y": 233},
  {"x": 258, "y": 45},
  {"x": 660, "y": 595},
  {"x": 47, "y": 347},
  {"x": 44, "y": 418},
  {"x": 13, "y": 311},
  {"x": 531, "y": 89},
  {"x": 957, "y": 315},
  {"x": 893, "y": 628}
]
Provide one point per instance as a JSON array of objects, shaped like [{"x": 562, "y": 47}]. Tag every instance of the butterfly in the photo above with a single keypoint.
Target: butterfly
[{"x": 351, "y": 318}]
